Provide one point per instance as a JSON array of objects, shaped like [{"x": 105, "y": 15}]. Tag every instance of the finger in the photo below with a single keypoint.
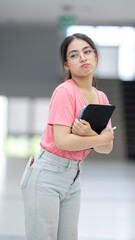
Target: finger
[
  {"x": 78, "y": 123},
  {"x": 108, "y": 128},
  {"x": 84, "y": 122},
  {"x": 74, "y": 132},
  {"x": 75, "y": 128}
]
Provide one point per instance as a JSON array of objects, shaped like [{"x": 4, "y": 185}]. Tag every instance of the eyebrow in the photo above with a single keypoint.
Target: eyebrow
[{"x": 77, "y": 50}]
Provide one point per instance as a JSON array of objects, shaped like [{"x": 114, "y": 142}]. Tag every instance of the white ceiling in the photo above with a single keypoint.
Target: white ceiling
[{"x": 89, "y": 12}]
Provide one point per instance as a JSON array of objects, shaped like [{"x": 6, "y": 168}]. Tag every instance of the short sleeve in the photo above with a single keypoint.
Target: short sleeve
[{"x": 62, "y": 108}]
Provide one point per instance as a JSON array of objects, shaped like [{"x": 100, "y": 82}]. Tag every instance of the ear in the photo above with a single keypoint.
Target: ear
[
  {"x": 96, "y": 58},
  {"x": 66, "y": 66}
]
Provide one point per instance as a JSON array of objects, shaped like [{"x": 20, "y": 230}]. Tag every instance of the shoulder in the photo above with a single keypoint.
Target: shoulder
[
  {"x": 63, "y": 94},
  {"x": 101, "y": 93},
  {"x": 66, "y": 87},
  {"x": 102, "y": 96}
]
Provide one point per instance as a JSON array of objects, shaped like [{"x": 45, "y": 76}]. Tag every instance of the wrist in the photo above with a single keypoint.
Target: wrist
[
  {"x": 96, "y": 141},
  {"x": 100, "y": 140},
  {"x": 93, "y": 133}
]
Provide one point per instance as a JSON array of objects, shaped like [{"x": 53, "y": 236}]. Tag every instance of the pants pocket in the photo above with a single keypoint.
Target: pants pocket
[
  {"x": 54, "y": 168},
  {"x": 27, "y": 173}
]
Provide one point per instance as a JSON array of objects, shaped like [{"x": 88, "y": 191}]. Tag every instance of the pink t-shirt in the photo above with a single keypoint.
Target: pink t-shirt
[{"x": 65, "y": 106}]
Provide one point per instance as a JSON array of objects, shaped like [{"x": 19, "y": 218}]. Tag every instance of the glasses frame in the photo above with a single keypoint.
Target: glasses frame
[{"x": 79, "y": 55}]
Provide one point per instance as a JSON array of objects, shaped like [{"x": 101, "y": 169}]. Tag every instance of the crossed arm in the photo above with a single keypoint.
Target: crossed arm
[
  {"x": 82, "y": 137},
  {"x": 83, "y": 128}
]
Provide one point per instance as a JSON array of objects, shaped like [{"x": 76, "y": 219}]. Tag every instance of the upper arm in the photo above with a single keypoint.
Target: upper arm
[
  {"x": 62, "y": 108},
  {"x": 61, "y": 114},
  {"x": 60, "y": 133}
]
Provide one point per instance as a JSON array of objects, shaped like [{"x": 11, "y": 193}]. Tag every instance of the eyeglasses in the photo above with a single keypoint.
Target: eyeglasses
[{"x": 73, "y": 56}]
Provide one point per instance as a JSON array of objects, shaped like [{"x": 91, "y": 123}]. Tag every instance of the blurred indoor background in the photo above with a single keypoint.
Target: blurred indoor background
[{"x": 30, "y": 35}]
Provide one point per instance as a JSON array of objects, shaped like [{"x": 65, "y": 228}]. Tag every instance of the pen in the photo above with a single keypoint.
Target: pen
[{"x": 113, "y": 128}]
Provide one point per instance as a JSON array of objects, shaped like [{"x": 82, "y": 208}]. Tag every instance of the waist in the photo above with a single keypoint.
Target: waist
[
  {"x": 58, "y": 159},
  {"x": 72, "y": 155}
]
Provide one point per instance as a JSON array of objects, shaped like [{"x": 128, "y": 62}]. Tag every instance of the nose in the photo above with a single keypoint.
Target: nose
[{"x": 82, "y": 57}]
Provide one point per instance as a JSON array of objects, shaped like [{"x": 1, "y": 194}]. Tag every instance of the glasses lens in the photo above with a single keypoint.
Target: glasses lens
[{"x": 73, "y": 55}]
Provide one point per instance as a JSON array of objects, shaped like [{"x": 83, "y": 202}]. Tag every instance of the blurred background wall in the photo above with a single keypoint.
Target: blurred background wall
[
  {"x": 30, "y": 35},
  {"x": 31, "y": 32}
]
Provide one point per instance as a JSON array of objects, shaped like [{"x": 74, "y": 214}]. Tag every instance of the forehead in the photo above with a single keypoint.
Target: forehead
[{"x": 77, "y": 44}]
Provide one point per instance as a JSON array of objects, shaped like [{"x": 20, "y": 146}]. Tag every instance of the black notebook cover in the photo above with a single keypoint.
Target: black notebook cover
[{"x": 97, "y": 115}]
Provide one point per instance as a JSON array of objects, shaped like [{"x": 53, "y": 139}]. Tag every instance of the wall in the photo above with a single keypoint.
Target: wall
[{"x": 28, "y": 60}]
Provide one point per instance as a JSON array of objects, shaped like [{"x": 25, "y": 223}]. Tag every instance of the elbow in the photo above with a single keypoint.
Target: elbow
[
  {"x": 109, "y": 149},
  {"x": 59, "y": 144},
  {"x": 104, "y": 149}
]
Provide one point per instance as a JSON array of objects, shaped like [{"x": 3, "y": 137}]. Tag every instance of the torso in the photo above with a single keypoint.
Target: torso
[
  {"x": 90, "y": 97},
  {"x": 74, "y": 100}
]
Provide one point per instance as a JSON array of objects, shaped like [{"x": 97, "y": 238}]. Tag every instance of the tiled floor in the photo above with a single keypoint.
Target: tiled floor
[{"x": 107, "y": 207}]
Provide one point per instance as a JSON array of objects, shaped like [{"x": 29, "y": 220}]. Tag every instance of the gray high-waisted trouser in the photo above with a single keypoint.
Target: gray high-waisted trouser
[{"x": 51, "y": 195}]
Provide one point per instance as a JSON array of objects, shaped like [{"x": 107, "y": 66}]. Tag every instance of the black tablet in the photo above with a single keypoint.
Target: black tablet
[{"x": 97, "y": 115}]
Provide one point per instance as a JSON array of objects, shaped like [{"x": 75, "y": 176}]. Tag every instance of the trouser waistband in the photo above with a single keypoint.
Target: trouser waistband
[{"x": 57, "y": 158}]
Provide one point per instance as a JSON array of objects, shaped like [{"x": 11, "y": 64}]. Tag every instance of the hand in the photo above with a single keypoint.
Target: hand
[
  {"x": 82, "y": 128},
  {"x": 108, "y": 135},
  {"x": 105, "y": 129}
]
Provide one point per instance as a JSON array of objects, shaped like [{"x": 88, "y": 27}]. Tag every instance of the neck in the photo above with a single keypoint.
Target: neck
[{"x": 83, "y": 83}]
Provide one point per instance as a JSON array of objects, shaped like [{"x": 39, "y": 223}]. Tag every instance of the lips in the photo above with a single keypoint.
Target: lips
[{"x": 85, "y": 65}]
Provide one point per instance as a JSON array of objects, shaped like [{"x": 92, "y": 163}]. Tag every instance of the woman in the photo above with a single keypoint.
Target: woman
[{"x": 51, "y": 182}]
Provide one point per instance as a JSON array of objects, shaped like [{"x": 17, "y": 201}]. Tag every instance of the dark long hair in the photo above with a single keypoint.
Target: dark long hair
[{"x": 63, "y": 51}]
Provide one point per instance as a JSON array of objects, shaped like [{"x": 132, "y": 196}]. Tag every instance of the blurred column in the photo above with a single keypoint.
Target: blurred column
[{"x": 3, "y": 134}]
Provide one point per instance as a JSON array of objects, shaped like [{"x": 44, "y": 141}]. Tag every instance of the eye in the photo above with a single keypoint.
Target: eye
[
  {"x": 88, "y": 51},
  {"x": 75, "y": 55}
]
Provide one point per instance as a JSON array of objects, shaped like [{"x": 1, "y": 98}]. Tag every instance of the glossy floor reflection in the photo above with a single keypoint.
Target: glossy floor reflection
[{"x": 107, "y": 207}]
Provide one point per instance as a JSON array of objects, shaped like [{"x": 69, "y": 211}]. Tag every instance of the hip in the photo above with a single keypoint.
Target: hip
[{"x": 49, "y": 171}]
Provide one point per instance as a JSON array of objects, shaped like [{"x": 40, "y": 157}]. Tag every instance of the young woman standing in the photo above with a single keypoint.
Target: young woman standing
[{"x": 51, "y": 181}]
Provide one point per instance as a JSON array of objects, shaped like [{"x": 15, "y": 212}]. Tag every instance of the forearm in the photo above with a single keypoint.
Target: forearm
[
  {"x": 104, "y": 148},
  {"x": 72, "y": 142},
  {"x": 66, "y": 140}
]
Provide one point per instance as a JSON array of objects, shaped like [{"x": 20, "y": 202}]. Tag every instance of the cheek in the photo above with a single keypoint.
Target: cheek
[
  {"x": 94, "y": 66},
  {"x": 95, "y": 61},
  {"x": 73, "y": 67}
]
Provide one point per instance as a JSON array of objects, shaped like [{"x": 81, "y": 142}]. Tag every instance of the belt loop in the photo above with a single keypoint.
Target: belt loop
[
  {"x": 69, "y": 164},
  {"x": 40, "y": 153},
  {"x": 80, "y": 165}
]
